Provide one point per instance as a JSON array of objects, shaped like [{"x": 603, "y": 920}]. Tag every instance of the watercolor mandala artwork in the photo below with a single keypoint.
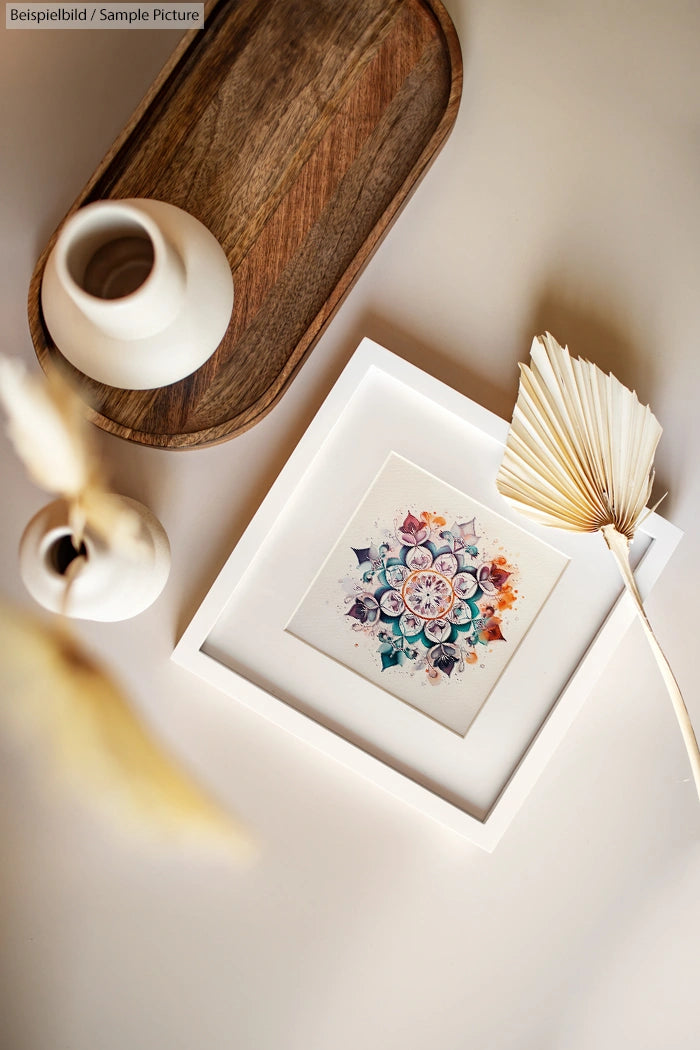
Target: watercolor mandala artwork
[
  {"x": 430, "y": 605},
  {"x": 431, "y": 598}
]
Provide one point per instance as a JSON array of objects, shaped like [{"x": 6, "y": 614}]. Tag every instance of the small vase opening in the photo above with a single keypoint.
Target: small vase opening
[
  {"x": 113, "y": 583},
  {"x": 63, "y": 553},
  {"x": 112, "y": 260}
]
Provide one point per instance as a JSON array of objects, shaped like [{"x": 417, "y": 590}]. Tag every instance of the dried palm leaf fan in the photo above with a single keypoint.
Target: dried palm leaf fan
[{"x": 579, "y": 456}]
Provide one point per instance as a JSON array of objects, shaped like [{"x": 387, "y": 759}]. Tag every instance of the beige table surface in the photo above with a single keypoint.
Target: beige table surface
[{"x": 567, "y": 198}]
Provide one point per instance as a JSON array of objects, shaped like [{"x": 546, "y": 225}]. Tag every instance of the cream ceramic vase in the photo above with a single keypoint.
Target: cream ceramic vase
[
  {"x": 111, "y": 585},
  {"x": 136, "y": 293}
]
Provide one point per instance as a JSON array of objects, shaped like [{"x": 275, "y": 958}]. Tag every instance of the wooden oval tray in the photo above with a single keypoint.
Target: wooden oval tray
[{"x": 295, "y": 130}]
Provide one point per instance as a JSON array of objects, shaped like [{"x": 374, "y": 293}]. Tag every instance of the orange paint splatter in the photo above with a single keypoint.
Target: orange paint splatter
[
  {"x": 432, "y": 519},
  {"x": 471, "y": 657},
  {"x": 506, "y": 598}
]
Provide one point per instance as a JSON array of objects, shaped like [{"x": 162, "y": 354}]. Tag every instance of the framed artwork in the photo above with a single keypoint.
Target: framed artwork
[
  {"x": 429, "y": 605},
  {"x": 389, "y": 607}
]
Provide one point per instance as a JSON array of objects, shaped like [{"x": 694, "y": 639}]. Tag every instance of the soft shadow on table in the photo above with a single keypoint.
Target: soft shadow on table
[
  {"x": 453, "y": 370},
  {"x": 599, "y": 337},
  {"x": 134, "y": 470}
]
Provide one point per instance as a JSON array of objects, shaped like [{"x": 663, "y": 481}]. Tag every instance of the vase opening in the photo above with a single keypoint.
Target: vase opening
[
  {"x": 62, "y": 553},
  {"x": 111, "y": 260}
]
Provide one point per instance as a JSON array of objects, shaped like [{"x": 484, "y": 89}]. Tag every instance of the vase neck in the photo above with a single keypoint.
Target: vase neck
[{"x": 121, "y": 272}]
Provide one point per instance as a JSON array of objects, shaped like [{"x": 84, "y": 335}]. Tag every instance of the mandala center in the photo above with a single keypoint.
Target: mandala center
[{"x": 428, "y": 594}]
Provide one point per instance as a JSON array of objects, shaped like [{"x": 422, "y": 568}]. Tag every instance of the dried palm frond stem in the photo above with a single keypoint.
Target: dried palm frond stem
[{"x": 579, "y": 456}]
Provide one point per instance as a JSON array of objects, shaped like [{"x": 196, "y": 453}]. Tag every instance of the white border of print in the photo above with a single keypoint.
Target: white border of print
[{"x": 473, "y": 784}]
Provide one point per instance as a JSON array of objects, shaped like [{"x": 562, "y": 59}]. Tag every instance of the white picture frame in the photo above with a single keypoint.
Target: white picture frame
[{"x": 238, "y": 642}]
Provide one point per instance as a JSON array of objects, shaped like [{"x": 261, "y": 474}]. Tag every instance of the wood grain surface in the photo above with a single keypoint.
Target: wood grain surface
[{"x": 295, "y": 131}]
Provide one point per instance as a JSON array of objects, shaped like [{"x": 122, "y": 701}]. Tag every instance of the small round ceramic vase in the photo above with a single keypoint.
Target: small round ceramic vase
[
  {"x": 136, "y": 293},
  {"x": 112, "y": 585}
]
